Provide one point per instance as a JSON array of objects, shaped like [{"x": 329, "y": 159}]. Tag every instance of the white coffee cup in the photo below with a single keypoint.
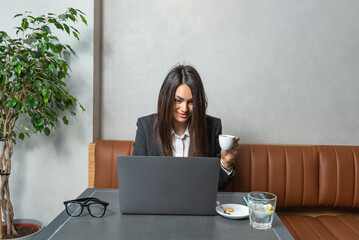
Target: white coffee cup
[{"x": 226, "y": 141}]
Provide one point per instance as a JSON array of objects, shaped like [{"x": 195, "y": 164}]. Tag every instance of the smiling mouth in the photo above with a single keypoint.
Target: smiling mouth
[{"x": 183, "y": 115}]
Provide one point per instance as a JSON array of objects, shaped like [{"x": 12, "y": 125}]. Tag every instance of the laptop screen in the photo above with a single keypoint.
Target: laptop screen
[{"x": 168, "y": 185}]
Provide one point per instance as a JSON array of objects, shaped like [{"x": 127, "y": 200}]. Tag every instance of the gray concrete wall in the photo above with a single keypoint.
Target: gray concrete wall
[
  {"x": 274, "y": 71},
  {"x": 48, "y": 170}
]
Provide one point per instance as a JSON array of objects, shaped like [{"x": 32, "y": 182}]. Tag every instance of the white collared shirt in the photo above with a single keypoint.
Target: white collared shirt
[
  {"x": 180, "y": 143},
  {"x": 181, "y": 146}
]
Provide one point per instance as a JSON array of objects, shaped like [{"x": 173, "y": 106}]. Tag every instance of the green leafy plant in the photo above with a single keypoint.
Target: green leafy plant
[{"x": 34, "y": 95}]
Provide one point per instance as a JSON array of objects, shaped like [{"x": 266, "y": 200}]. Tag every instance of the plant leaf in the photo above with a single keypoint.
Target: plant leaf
[
  {"x": 47, "y": 96},
  {"x": 54, "y": 37},
  {"x": 82, "y": 107},
  {"x": 64, "y": 119},
  {"x": 83, "y": 19},
  {"x": 61, "y": 75},
  {"x": 3, "y": 34},
  {"x": 51, "y": 67},
  {"x": 24, "y": 23},
  {"x": 17, "y": 15},
  {"x": 52, "y": 20},
  {"x": 40, "y": 19},
  {"x": 32, "y": 103},
  {"x": 72, "y": 11},
  {"x": 46, "y": 29},
  {"x": 30, "y": 41},
  {"x": 21, "y": 136},
  {"x": 63, "y": 17},
  {"x": 41, "y": 122},
  {"x": 18, "y": 69},
  {"x": 80, "y": 11},
  {"x": 47, "y": 131},
  {"x": 11, "y": 103},
  {"x": 67, "y": 28},
  {"x": 76, "y": 35},
  {"x": 70, "y": 48},
  {"x": 53, "y": 48},
  {"x": 74, "y": 29},
  {"x": 43, "y": 48},
  {"x": 2, "y": 80},
  {"x": 71, "y": 17},
  {"x": 59, "y": 26}
]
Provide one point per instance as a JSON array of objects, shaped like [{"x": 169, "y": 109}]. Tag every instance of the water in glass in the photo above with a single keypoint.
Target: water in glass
[{"x": 261, "y": 209}]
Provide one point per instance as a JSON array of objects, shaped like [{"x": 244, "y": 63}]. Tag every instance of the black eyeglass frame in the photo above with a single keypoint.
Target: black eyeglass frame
[{"x": 84, "y": 203}]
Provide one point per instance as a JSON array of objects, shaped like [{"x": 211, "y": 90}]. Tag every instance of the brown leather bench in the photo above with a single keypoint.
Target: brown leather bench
[{"x": 317, "y": 186}]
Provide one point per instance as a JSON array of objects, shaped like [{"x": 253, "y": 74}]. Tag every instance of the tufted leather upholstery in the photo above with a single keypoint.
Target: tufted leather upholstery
[
  {"x": 322, "y": 227},
  {"x": 323, "y": 178},
  {"x": 300, "y": 175}
]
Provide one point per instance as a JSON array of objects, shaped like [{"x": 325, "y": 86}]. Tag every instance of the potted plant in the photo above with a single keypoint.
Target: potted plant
[{"x": 33, "y": 95}]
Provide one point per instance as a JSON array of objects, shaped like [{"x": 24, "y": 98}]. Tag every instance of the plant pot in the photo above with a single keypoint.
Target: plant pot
[{"x": 27, "y": 222}]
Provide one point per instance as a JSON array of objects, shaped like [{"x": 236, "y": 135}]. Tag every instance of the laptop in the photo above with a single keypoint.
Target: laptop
[{"x": 168, "y": 185}]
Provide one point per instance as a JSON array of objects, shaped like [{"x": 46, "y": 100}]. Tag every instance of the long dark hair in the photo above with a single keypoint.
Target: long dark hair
[{"x": 177, "y": 76}]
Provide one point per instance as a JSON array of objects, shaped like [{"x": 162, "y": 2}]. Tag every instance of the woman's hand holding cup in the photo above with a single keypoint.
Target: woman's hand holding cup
[{"x": 230, "y": 150}]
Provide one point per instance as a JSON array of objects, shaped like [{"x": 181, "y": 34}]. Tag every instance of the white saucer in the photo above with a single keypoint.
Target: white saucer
[{"x": 239, "y": 211}]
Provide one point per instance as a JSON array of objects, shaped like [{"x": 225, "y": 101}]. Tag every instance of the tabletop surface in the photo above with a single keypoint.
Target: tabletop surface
[{"x": 115, "y": 225}]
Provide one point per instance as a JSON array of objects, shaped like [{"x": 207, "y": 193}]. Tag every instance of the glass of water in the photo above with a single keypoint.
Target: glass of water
[{"x": 261, "y": 209}]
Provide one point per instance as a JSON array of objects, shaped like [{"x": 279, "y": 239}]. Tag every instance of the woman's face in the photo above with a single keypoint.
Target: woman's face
[{"x": 183, "y": 105}]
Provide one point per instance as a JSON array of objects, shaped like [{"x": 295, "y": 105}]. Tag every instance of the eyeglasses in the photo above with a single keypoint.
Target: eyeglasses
[{"x": 95, "y": 207}]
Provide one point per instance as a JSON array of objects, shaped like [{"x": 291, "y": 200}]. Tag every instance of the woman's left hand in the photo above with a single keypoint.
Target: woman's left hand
[{"x": 228, "y": 156}]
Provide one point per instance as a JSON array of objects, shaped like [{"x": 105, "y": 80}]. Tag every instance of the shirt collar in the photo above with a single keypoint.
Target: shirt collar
[{"x": 186, "y": 133}]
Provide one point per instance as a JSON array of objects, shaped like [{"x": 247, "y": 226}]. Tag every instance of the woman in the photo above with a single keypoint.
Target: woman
[{"x": 181, "y": 127}]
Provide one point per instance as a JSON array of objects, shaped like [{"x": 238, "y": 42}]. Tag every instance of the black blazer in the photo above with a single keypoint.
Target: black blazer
[{"x": 146, "y": 142}]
